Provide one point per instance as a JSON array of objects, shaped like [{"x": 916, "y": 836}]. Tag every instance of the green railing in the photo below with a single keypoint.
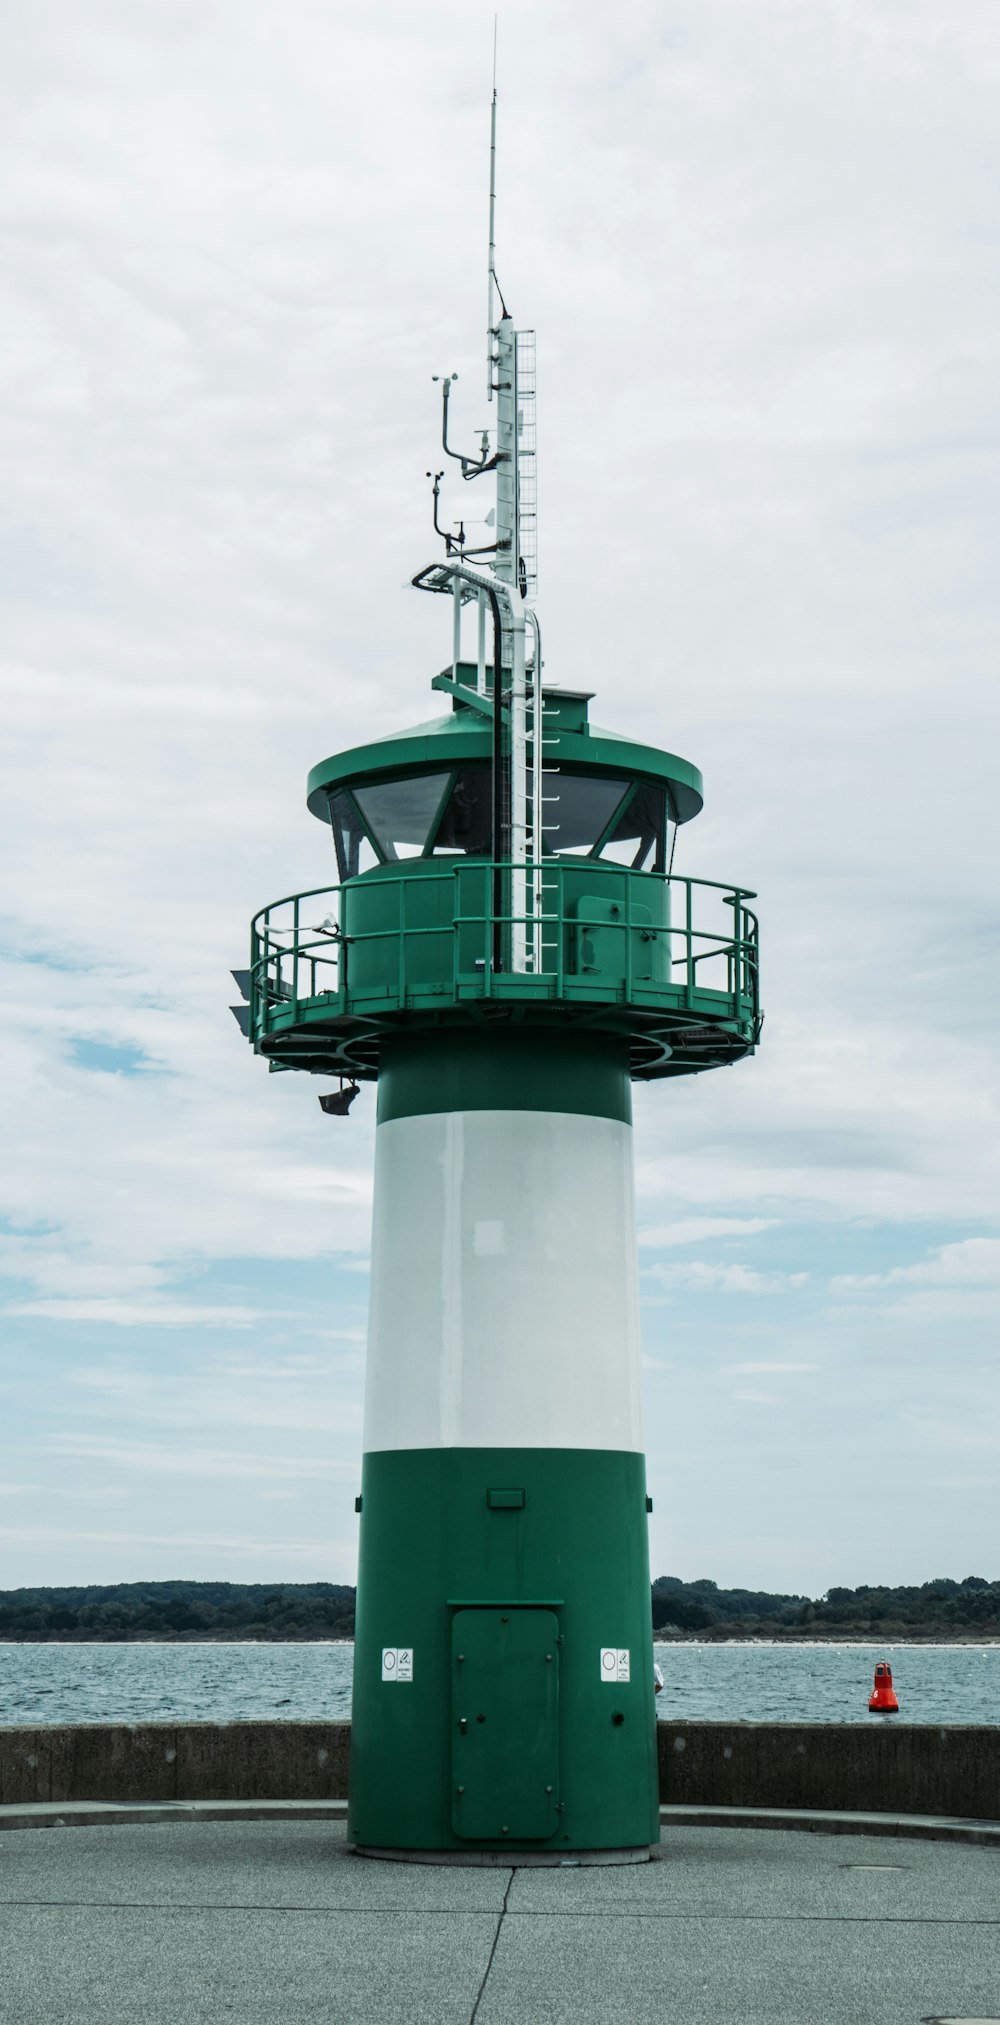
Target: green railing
[{"x": 603, "y": 932}]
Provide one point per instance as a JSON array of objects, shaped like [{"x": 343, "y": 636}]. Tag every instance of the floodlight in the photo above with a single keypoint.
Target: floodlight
[{"x": 337, "y": 1103}]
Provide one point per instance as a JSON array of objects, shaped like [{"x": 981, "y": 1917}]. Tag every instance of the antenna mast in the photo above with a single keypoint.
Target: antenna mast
[
  {"x": 522, "y": 792},
  {"x": 491, "y": 278}
]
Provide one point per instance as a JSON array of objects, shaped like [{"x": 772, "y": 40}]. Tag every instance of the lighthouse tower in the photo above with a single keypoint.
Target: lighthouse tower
[{"x": 505, "y": 950}]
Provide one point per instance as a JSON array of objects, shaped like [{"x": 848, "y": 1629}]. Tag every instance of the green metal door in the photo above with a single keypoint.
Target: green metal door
[{"x": 505, "y": 1724}]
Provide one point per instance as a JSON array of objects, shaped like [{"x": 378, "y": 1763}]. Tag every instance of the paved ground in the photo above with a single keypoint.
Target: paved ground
[{"x": 274, "y": 1921}]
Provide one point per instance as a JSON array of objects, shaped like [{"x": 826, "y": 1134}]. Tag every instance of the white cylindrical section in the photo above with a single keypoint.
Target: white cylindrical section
[{"x": 504, "y": 1286}]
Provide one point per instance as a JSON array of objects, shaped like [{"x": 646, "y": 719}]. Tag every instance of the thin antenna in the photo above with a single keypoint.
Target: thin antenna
[{"x": 493, "y": 206}]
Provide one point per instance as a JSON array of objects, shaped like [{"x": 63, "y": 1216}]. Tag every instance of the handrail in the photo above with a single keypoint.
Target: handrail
[
  {"x": 278, "y": 986},
  {"x": 449, "y": 866}
]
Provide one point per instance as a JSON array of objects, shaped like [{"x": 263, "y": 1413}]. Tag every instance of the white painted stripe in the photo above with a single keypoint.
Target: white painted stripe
[{"x": 504, "y": 1289}]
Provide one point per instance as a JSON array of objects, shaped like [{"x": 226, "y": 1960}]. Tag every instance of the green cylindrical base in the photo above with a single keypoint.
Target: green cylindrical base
[{"x": 506, "y": 1578}]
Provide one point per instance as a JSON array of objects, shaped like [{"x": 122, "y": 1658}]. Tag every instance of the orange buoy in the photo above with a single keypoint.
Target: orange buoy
[{"x": 883, "y": 1694}]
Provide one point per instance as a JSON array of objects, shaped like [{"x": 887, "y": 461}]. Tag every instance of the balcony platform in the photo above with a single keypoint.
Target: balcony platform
[{"x": 668, "y": 965}]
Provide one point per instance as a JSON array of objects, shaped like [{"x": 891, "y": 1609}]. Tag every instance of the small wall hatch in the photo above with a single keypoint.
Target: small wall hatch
[{"x": 505, "y": 1501}]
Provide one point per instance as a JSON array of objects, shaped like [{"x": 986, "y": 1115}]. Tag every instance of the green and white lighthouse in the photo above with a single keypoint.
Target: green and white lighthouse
[{"x": 504, "y": 952}]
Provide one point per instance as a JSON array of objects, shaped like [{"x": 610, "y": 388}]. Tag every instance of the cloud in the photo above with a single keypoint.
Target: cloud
[
  {"x": 292, "y": 1393},
  {"x": 766, "y": 1366},
  {"x": 140, "y": 1314},
  {"x": 958, "y": 1281},
  {"x": 186, "y": 1461},
  {"x": 694, "y": 1230},
  {"x": 699, "y": 1276},
  {"x": 967, "y": 1263},
  {"x": 249, "y": 1548}
]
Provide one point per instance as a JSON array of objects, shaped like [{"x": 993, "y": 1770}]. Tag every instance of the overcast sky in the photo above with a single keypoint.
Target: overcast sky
[{"x": 759, "y": 244}]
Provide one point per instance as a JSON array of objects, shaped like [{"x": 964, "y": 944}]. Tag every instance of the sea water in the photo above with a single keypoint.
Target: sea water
[{"x": 216, "y": 1683}]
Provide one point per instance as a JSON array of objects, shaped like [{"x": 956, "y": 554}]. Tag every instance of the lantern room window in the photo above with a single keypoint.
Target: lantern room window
[
  {"x": 399, "y": 814},
  {"x": 449, "y": 813},
  {"x": 355, "y": 850},
  {"x": 467, "y": 818},
  {"x": 576, "y": 811},
  {"x": 637, "y": 837},
  {"x": 600, "y": 816}
]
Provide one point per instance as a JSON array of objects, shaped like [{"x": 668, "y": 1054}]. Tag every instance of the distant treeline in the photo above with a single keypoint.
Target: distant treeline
[
  {"x": 179, "y": 1611},
  {"x": 941, "y": 1609}
]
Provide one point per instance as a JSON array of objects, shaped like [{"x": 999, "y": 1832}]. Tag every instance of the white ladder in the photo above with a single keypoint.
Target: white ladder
[
  {"x": 527, "y": 464},
  {"x": 517, "y": 565},
  {"x": 542, "y": 773}
]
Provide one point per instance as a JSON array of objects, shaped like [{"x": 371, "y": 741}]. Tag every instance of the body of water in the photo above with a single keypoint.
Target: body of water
[{"x": 703, "y": 1683}]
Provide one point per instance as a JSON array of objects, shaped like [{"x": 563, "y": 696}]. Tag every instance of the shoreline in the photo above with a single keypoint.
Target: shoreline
[
  {"x": 868, "y": 1638},
  {"x": 888, "y": 1639}
]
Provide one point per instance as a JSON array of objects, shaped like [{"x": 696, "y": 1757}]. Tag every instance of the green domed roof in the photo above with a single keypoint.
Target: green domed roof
[{"x": 466, "y": 734}]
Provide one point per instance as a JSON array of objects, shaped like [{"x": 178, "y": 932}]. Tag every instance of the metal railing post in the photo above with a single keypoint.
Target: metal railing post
[
  {"x": 341, "y": 951},
  {"x": 690, "y": 943},
  {"x": 628, "y": 937},
  {"x": 456, "y": 931},
  {"x": 561, "y": 929},
  {"x": 401, "y": 973}
]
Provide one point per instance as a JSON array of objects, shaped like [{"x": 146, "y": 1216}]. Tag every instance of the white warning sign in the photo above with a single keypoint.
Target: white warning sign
[
  {"x": 615, "y": 1663},
  {"x": 397, "y": 1662}
]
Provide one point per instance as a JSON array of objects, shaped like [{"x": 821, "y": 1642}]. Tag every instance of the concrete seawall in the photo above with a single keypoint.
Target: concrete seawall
[
  {"x": 890, "y": 1767},
  {"x": 175, "y": 1761},
  {"x": 886, "y": 1767}
]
